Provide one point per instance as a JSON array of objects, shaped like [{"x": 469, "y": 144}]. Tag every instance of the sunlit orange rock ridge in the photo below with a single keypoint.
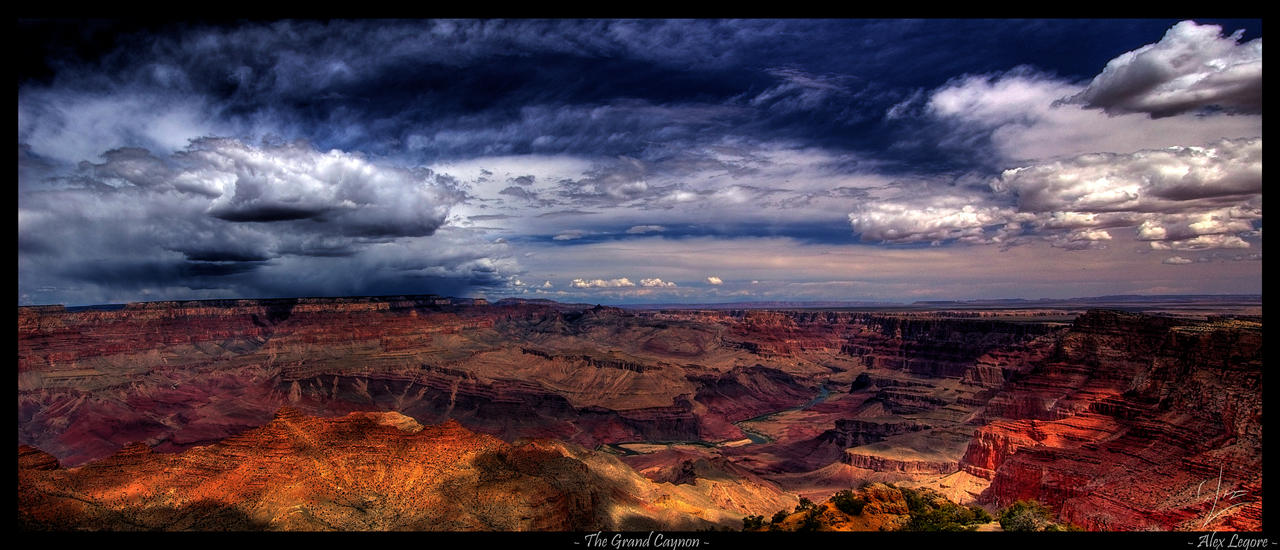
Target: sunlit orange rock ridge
[{"x": 370, "y": 471}]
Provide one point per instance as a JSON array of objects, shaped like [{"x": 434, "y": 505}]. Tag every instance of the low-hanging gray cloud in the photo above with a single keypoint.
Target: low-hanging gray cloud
[
  {"x": 335, "y": 192},
  {"x": 226, "y": 218}
]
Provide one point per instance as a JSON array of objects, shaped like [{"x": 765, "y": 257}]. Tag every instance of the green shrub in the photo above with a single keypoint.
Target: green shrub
[
  {"x": 949, "y": 517},
  {"x": 1025, "y": 515},
  {"x": 916, "y": 502},
  {"x": 847, "y": 503},
  {"x": 779, "y": 517},
  {"x": 940, "y": 515},
  {"x": 751, "y": 522},
  {"x": 980, "y": 515},
  {"x": 1063, "y": 527}
]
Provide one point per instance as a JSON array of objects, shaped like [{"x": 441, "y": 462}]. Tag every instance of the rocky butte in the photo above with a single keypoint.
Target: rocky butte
[{"x": 431, "y": 413}]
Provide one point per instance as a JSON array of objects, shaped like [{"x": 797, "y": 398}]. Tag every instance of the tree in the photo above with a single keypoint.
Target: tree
[
  {"x": 779, "y": 517},
  {"x": 805, "y": 504}
]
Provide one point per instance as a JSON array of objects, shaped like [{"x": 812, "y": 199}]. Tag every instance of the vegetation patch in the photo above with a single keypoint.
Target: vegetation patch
[
  {"x": 1030, "y": 515},
  {"x": 932, "y": 512}
]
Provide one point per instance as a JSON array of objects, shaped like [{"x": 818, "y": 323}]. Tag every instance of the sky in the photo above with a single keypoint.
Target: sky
[{"x": 639, "y": 161}]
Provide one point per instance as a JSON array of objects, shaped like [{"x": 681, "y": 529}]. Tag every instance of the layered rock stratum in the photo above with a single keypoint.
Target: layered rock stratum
[{"x": 1113, "y": 419}]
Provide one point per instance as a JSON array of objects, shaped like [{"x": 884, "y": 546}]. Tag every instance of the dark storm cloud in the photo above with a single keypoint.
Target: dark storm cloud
[
  {"x": 330, "y": 193},
  {"x": 518, "y": 192},
  {"x": 441, "y": 89},
  {"x": 265, "y": 213},
  {"x": 213, "y": 255},
  {"x": 140, "y": 274}
]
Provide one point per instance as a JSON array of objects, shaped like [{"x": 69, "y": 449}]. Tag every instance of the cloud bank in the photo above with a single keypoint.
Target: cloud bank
[
  {"x": 1174, "y": 198},
  {"x": 478, "y": 157}
]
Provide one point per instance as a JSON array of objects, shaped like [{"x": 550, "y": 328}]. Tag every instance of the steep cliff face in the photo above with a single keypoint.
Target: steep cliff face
[
  {"x": 974, "y": 349},
  {"x": 856, "y": 432},
  {"x": 373, "y": 471},
  {"x": 1120, "y": 427}
]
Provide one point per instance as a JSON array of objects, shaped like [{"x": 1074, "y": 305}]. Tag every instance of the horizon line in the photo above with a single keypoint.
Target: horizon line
[{"x": 660, "y": 305}]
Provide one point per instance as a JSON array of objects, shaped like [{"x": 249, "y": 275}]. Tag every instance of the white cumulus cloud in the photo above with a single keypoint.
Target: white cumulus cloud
[
  {"x": 714, "y": 280},
  {"x": 656, "y": 283},
  {"x": 896, "y": 222},
  {"x": 1193, "y": 66},
  {"x": 1022, "y": 114},
  {"x": 1170, "y": 179},
  {"x": 1203, "y": 242},
  {"x": 601, "y": 283},
  {"x": 1183, "y": 198}
]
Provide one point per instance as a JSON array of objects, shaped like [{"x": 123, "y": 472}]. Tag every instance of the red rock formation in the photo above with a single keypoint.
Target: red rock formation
[
  {"x": 31, "y": 458},
  {"x": 1123, "y": 426},
  {"x": 369, "y": 471},
  {"x": 886, "y": 464},
  {"x": 1037, "y": 404},
  {"x": 174, "y": 374}
]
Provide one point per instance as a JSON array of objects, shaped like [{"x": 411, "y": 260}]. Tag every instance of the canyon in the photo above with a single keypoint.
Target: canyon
[{"x": 377, "y": 413}]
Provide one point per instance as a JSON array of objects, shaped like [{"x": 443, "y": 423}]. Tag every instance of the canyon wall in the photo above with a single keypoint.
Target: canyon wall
[
  {"x": 1114, "y": 420},
  {"x": 1134, "y": 422}
]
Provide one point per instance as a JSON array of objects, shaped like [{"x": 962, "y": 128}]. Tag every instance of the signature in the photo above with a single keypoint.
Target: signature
[
  {"x": 1224, "y": 498},
  {"x": 1214, "y": 540}
]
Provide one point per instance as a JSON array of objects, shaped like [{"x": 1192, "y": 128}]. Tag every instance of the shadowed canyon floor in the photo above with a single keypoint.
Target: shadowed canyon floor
[{"x": 384, "y": 413}]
